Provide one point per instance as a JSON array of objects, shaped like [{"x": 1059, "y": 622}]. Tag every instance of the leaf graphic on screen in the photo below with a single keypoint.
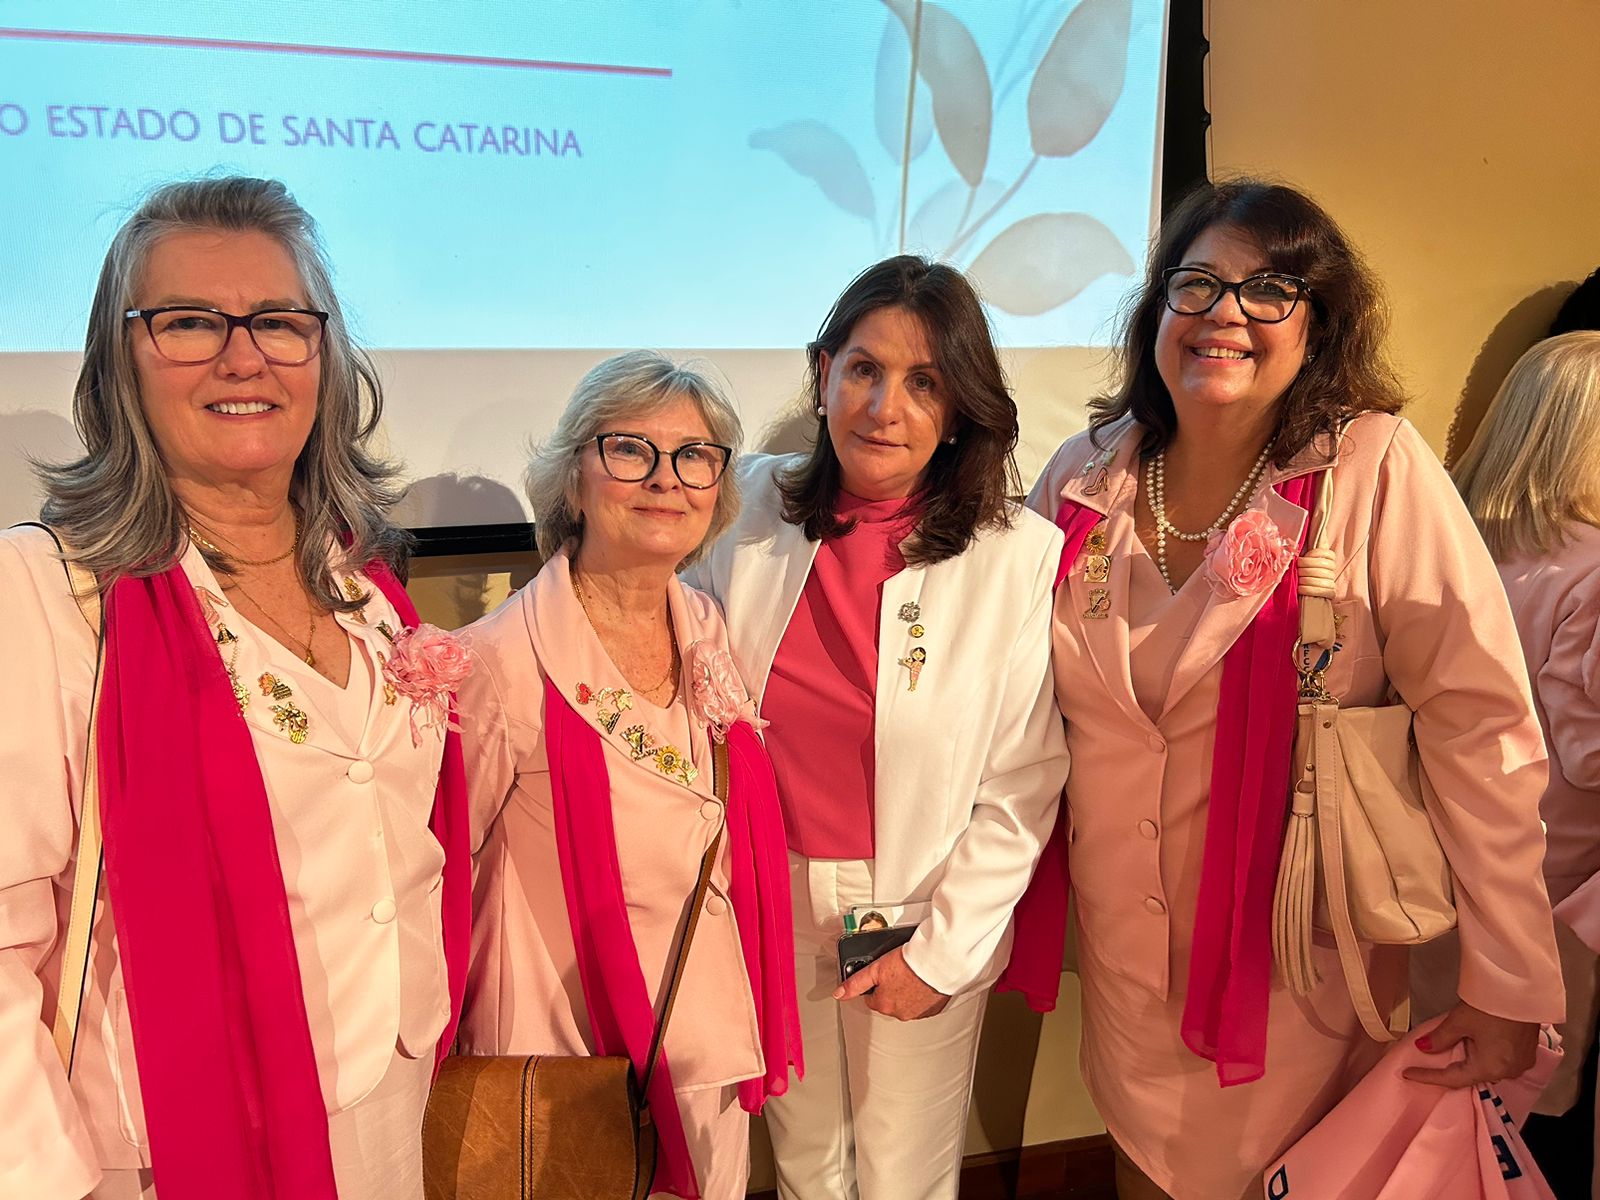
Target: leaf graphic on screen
[
  {"x": 1080, "y": 78},
  {"x": 894, "y": 76},
  {"x": 940, "y": 217},
  {"x": 822, "y": 155},
  {"x": 949, "y": 60},
  {"x": 1045, "y": 260}
]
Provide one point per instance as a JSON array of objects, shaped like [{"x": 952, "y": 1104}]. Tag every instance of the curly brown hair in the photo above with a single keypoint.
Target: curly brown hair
[
  {"x": 1348, "y": 371},
  {"x": 966, "y": 486}
]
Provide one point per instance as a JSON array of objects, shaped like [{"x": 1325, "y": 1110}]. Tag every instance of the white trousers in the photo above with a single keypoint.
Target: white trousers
[
  {"x": 376, "y": 1142},
  {"x": 882, "y": 1111}
]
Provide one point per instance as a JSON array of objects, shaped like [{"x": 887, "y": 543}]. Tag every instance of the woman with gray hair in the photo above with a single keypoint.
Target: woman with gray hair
[
  {"x": 225, "y": 698},
  {"x": 602, "y": 698}
]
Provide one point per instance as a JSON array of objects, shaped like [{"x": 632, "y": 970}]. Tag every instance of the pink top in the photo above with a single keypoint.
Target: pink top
[{"x": 821, "y": 694}]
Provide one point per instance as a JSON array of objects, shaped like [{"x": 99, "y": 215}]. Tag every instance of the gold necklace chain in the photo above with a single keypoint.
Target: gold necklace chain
[
  {"x": 204, "y": 544},
  {"x": 676, "y": 665},
  {"x": 309, "y": 657}
]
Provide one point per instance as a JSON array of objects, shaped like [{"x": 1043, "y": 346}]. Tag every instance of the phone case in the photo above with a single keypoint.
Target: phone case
[{"x": 856, "y": 950}]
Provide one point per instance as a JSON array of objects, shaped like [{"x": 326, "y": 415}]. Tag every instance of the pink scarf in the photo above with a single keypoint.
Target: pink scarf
[
  {"x": 1230, "y": 969},
  {"x": 621, "y": 1014},
  {"x": 231, "y": 1095}
]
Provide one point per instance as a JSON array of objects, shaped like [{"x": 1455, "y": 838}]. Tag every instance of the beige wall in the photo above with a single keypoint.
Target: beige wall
[
  {"x": 1459, "y": 144},
  {"x": 1457, "y": 141}
]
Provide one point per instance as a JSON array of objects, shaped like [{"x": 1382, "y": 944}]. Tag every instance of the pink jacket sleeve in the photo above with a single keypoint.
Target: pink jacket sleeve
[
  {"x": 1451, "y": 650},
  {"x": 1569, "y": 687},
  {"x": 45, "y": 1150}
]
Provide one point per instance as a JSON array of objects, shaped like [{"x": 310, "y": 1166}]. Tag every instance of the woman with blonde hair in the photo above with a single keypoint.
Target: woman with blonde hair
[
  {"x": 591, "y": 725},
  {"x": 1531, "y": 479}
]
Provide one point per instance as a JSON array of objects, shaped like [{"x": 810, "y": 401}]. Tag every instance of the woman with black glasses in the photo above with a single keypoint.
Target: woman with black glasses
[
  {"x": 1252, "y": 366},
  {"x": 256, "y": 1004},
  {"x": 590, "y": 721}
]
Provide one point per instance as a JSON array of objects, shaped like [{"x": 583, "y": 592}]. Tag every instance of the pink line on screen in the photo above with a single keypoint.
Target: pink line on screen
[{"x": 415, "y": 56}]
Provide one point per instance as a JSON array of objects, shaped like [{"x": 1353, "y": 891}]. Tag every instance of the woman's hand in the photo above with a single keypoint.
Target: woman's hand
[
  {"x": 899, "y": 992},
  {"x": 1496, "y": 1048}
]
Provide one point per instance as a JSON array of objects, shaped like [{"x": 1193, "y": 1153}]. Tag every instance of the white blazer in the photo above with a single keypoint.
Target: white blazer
[{"x": 970, "y": 766}]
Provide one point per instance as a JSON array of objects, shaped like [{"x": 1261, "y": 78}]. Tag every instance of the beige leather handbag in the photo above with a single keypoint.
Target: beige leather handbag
[{"x": 1360, "y": 858}]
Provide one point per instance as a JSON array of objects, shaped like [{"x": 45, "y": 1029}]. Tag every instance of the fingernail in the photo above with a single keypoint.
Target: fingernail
[{"x": 1424, "y": 1044}]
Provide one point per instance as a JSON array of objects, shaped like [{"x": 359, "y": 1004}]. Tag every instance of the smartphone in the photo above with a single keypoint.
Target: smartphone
[{"x": 856, "y": 950}]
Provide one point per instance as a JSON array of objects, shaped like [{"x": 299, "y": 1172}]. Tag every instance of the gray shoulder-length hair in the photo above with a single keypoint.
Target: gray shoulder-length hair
[
  {"x": 115, "y": 506},
  {"x": 635, "y": 384}
]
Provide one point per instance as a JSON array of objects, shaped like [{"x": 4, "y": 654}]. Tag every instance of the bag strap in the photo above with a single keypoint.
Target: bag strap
[
  {"x": 719, "y": 777},
  {"x": 90, "y": 863}
]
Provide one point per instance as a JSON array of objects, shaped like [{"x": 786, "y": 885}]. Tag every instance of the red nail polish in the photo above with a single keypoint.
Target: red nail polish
[{"x": 1424, "y": 1044}]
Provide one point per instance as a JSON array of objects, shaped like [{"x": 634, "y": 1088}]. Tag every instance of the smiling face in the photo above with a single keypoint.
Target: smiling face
[
  {"x": 237, "y": 419},
  {"x": 657, "y": 521},
  {"x": 887, "y": 404},
  {"x": 1221, "y": 358}
]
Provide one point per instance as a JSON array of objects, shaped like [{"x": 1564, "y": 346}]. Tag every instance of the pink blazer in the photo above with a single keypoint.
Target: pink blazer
[
  {"x": 350, "y": 807},
  {"x": 1421, "y": 610},
  {"x": 523, "y": 991}
]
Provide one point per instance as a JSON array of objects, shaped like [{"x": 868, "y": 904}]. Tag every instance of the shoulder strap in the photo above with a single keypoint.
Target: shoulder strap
[
  {"x": 90, "y": 863},
  {"x": 1316, "y": 568},
  {"x": 697, "y": 903}
]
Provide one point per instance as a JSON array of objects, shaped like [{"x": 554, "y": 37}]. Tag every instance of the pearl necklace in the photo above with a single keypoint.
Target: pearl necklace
[{"x": 1156, "y": 486}]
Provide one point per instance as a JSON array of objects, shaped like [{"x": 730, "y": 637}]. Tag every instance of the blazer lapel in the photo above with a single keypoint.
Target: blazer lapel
[
  {"x": 759, "y": 597},
  {"x": 570, "y": 652},
  {"x": 1107, "y": 484},
  {"x": 1224, "y": 618}
]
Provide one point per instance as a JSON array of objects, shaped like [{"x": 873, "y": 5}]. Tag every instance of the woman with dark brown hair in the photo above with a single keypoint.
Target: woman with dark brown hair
[
  {"x": 889, "y": 607},
  {"x": 1252, "y": 367}
]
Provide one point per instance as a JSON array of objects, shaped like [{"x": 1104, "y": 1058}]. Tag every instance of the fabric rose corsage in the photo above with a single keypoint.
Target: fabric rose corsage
[
  {"x": 426, "y": 666},
  {"x": 1248, "y": 557},
  {"x": 718, "y": 696}
]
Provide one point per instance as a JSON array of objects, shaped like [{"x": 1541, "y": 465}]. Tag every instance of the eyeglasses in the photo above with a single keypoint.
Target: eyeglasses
[
  {"x": 630, "y": 458},
  {"x": 287, "y": 337},
  {"x": 1268, "y": 297}
]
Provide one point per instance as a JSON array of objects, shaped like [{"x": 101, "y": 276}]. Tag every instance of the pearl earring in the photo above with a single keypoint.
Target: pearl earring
[
  {"x": 821, "y": 411},
  {"x": 951, "y": 440}
]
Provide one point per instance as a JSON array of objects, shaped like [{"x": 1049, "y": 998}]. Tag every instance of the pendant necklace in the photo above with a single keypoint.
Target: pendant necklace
[
  {"x": 308, "y": 657},
  {"x": 674, "y": 667}
]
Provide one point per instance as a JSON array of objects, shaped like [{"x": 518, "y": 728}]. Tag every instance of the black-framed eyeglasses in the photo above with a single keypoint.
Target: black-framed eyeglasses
[
  {"x": 1267, "y": 296},
  {"x": 632, "y": 458},
  {"x": 287, "y": 337}
]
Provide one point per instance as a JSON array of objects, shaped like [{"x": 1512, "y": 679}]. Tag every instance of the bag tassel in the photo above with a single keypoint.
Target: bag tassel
[{"x": 1295, "y": 894}]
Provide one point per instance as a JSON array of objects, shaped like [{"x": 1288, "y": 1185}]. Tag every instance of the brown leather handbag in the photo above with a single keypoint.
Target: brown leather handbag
[{"x": 549, "y": 1126}]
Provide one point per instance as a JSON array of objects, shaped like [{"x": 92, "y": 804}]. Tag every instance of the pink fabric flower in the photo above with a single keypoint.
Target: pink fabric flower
[
  {"x": 426, "y": 666},
  {"x": 718, "y": 694},
  {"x": 1248, "y": 557}
]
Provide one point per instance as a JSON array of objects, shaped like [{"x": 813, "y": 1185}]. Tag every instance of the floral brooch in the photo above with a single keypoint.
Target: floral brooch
[
  {"x": 717, "y": 694},
  {"x": 1247, "y": 557},
  {"x": 426, "y": 666}
]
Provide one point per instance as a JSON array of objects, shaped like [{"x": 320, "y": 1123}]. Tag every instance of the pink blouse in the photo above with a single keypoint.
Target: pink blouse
[{"x": 821, "y": 697}]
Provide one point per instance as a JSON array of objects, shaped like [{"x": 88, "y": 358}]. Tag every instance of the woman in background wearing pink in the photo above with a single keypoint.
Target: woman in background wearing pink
[
  {"x": 1531, "y": 479},
  {"x": 589, "y": 722},
  {"x": 1251, "y": 363}
]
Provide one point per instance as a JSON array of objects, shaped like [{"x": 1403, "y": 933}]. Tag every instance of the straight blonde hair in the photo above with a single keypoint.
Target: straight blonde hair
[{"x": 1534, "y": 467}]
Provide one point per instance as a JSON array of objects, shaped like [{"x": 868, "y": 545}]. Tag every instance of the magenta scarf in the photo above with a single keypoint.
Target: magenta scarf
[
  {"x": 621, "y": 1016},
  {"x": 1230, "y": 968},
  {"x": 231, "y": 1095}
]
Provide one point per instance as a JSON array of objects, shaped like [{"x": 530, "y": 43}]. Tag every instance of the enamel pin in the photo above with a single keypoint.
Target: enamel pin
[
  {"x": 914, "y": 663},
  {"x": 1099, "y": 605},
  {"x": 910, "y": 611}
]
